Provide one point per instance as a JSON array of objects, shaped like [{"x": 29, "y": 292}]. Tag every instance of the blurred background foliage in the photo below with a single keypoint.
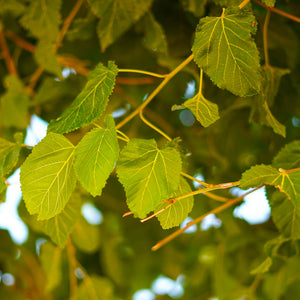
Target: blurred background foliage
[{"x": 116, "y": 254}]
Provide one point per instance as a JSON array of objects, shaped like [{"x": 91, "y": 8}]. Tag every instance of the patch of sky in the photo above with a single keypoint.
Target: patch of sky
[
  {"x": 255, "y": 209},
  {"x": 209, "y": 222},
  {"x": 191, "y": 229},
  {"x": 92, "y": 214}
]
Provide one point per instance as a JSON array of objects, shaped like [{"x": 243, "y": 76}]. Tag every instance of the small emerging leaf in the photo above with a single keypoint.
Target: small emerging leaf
[
  {"x": 47, "y": 176},
  {"x": 148, "y": 174},
  {"x": 178, "y": 211},
  {"x": 263, "y": 267},
  {"x": 95, "y": 157},
  {"x": 225, "y": 50},
  {"x": 204, "y": 110},
  {"x": 90, "y": 103}
]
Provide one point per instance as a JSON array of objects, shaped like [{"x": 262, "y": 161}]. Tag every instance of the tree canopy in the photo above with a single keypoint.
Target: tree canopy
[{"x": 161, "y": 114}]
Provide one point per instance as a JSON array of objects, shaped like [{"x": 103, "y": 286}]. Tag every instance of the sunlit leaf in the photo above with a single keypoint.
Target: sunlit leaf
[
  {"x": 95, "y": 157},
  {"x": 261, "y": 112},
  {"x": 48, "y": 177},
  {"x": 95, "y": 287},
  {"x": 225, "y": 50},
  {"x": 86, "y": 237},
  {"x": 287, "y": 182},
  {"x": 288, "y": 157},
  {"x": 263, "y": 267},
  {"x": 51, "y": 260},
  {"x": 148, "y": 174},
  {"x": 204, "y": 110},
  {"x": 177, "y": 212},
  {"x": 59, "y": 227},
  {"x": 42, "y": 18},
  {"x": 14, "y": 104},
  {"x": 116, "y": 17},
  {"x": 90, "y": 103}
]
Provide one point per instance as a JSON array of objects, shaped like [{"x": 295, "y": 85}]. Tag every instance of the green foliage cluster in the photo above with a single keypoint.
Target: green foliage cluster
[{"x": 125, "y": 133}]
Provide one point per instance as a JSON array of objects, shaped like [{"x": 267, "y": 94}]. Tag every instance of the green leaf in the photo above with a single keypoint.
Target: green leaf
[
  {"x": 48, "y": 177},
  {"x": 285, "y": 215},
  {"x": 46, "y": 58},
  {"x": 269, "y": 2},
  {"x": 204, "y": 110},
  {"x": 154, "y": 38},
  {"x": 42, "y": 18},
  {"x": 95, "y": 157},
  {"x": 195, "y": 6},
  {"x": 225, "y": 50},
  {"x": 59, "y": 227},
  {"x": 51, "y": 260},
  {"x": 282, "y": 247},
  {"x": 260, "y": 112},
  {"x": 288, "y": 157},
  {"x": 2, "y": 189},
  {"x": 14, "y": 104},
  {"x": 9, "y": 155},
  {"x": 117, "y": 16},
  {"x": 148, "y": 174},
  {"x": 14, "y": 7},
  {"x": 228, "y": 2},
  {"x": 263, "y": 267},
  {"x": 179, "y": 210},
  {"x": 90, "y": 103},
  {"x": 287, "y": 182},
  {"x": 86, "y": 237},
  {"x": 95, "y": 287}
]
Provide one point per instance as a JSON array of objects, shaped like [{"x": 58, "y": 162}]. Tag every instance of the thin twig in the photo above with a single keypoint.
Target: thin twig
[
  {"x": 280, "y": 12},
  {"x": 5, "y": 51},
  {"x": 198, "y": 220},
  {"x": 19, "y": 41},
  {"x": 72, "y": 268},
  {"x": 265, "y": 37},
  {"x": 244, "y": 3},
  {"x": 156, "y": 91}
]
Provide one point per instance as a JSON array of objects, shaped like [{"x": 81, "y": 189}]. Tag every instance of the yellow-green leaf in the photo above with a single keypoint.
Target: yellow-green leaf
[
  {"x": 90, "y": 103},
  {"x": 287, "y": 182},
  {"x": 59, "y": 227},
  {"x": 148, "y": 174},
  {"x": 48, "y": 177},
  {"x": 226, "y": 51},
  {"x": 204, "y": 110},
  {"x": 95, "y": 157},
  {"x": 178, "y": 211}
]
